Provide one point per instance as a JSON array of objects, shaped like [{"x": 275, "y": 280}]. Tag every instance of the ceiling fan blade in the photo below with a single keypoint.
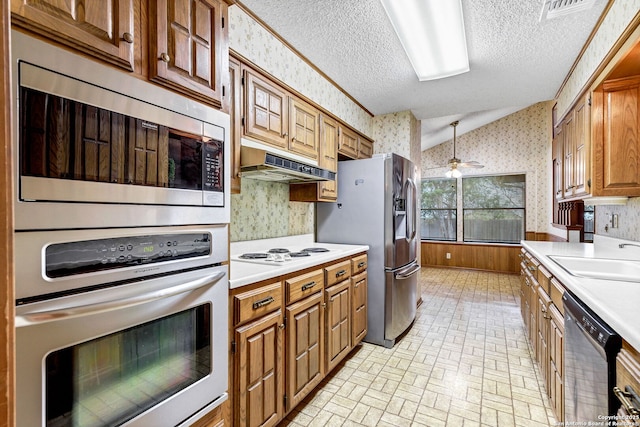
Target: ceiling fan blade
[
  {"x": 436, "y": 167},
  {"x": 470, "y": 164}
]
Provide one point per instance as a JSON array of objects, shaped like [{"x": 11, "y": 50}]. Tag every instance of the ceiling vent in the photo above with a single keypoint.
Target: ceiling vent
[{"x": 555, "y": 8}]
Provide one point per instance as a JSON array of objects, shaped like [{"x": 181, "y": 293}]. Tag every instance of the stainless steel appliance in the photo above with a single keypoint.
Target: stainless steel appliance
[
  {"x": 96, "y": 147},
  {"x": 376, "y": 206},
  {"x": 121, "y": 326},
  {"x": 590, "y": 350}
]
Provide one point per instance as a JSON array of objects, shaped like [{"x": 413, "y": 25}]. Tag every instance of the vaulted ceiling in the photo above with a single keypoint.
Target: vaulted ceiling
[{"x": 516, "y": 60}]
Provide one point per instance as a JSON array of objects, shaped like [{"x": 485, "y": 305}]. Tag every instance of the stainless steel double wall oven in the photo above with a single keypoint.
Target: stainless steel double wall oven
[{"x": 121, "y": 213}]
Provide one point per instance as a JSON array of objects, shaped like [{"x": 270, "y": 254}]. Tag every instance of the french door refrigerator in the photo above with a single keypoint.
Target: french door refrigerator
[{"x": 376, "y": 206}]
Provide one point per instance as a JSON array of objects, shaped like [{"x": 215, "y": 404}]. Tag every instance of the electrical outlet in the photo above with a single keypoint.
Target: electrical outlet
[{"x": 448, "y": 255}]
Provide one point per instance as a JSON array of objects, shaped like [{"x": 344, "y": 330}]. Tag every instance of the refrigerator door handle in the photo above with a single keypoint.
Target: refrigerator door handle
[
  {"x": 411, "y": 209},
  {"x": 408, "y": 272}
]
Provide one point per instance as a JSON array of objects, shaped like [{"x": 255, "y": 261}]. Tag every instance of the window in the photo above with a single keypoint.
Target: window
[
  {"x": 493, "y": 208},
  {"x": 438, "y": 209}
]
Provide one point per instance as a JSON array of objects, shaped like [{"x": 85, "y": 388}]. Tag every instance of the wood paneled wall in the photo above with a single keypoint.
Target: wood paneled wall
[
  {"x": 7, "y": 382},
  {"x": 478, "y": 256}
]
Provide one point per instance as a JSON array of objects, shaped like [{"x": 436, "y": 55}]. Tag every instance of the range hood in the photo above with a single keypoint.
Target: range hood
[{"x": 260, "y": 161}]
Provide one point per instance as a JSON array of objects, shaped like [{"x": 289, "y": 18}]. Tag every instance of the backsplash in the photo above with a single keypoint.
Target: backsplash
[
  {"x": 628, "y": 220},
  {"x": 263, "y": 210}
]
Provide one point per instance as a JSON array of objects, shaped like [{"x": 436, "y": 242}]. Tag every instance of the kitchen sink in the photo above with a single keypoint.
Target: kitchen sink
[{"x": 599, "y": 268}]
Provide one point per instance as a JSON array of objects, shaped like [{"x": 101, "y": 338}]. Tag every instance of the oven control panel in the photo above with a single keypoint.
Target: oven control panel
[{"x": 70, "y": 258}]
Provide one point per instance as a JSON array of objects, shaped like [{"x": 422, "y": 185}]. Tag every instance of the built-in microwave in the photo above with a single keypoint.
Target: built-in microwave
[{"x": 97, "y": 147}]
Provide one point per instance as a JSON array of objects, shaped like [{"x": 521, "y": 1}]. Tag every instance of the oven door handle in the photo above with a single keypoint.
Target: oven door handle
[{"x": 43, "y": 315}]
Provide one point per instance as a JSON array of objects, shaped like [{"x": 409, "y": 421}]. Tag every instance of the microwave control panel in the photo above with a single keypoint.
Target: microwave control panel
[{"x": 71, "y": 258}]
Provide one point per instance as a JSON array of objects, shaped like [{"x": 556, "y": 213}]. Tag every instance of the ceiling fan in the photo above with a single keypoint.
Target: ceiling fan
[{"x": 454, "y": 163}]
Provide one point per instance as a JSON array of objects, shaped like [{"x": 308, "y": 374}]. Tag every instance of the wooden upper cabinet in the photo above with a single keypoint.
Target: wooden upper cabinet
[
  {"x": 616, "y": 137},
  {"x": 329, "y": 137},
  {"x": 582, "y": 147},
  {"x": 557, "y": 159},
  {"x": 365, "y": 148},
  {"x": 568, "y": 132},
  {"x": 304, "y": 129},
  {"x": 348, "y": 143},
  {"x": 235, "y": 112},
  {"x": 266, "y": 115},
  {"x": 188, "y": 47},
  {"x": 103, "y": 29}
]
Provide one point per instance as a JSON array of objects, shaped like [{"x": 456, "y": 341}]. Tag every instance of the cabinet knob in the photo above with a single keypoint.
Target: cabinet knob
[
  {"x": 281, "y": 326},
  {"x": 165, "y": 57},
  {"x": 127, "y": 37},
  {"x": 284, "y": 135}
]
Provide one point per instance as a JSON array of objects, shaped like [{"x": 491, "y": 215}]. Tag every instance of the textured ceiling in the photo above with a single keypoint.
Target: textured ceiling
[{"x": 515, "y": 60}]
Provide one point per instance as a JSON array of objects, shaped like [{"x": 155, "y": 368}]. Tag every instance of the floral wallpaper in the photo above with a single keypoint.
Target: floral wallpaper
[
  {"x": 518, "y": 143},
  {"x": 254, "y": 42},
  {"x": 263, "y": 209}
]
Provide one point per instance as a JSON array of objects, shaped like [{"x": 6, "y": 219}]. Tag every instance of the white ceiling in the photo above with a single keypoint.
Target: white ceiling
[{"x": 515, "y": 60}]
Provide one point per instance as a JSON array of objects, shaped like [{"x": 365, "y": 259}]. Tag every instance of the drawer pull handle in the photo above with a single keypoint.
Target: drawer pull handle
[
  {"x": 341, "y": 273},
  {"x": 262, "y": 302},
  {"x": 532, "y": 268},
  {"x": 308, "y": 286},
  {"x": 361, "y": 264},
  {"x": 623, "y": 397}
]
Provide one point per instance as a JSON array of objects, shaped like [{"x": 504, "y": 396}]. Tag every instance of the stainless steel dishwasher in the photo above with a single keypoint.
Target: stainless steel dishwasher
[{"x": 590, "y": 350}]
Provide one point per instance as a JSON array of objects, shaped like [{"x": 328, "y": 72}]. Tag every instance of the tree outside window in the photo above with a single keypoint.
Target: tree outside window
[
  {"x": 494, "y": 208},
  {"x": 438, "y": 208}
]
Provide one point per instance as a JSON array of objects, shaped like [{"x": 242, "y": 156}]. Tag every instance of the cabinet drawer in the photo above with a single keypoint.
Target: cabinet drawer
[
  {"x": 256, "y": 303},
  {"x": 359, "y": 264},
  {"x": 302, "y": 286},
  {"x": 556, "y": 290},
  {"x": 338, "y": 272}
]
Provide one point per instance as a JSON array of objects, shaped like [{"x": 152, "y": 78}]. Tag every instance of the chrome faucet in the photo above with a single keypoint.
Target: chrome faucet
[{"x": 622, "y": 245}]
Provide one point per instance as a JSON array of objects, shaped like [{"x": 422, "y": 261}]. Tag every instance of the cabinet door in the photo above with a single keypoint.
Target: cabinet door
[
  {"x": 103, "y": 29},
  {"x": 542, "y": 335},
  {"x": 365, "y": 148},
  {"x": 568, "y": 130},
  {"x": 266, "y": 111},
  {"x": 348, "y": 143},
  {"x": 628, "y": 382},
  {"x": 338, "y": 327},
  {"x": 582, "y": 145},
  {"x": 359, "y": 308},
  {"x": 189, "y": 47},
  {"x": 259, "y": 372},
  {"x": 556, "y": 348},
  {"x": 235, "y": 113},
  {"x": 304, "y": 130},
  {"x": 616, "y": 138},
  {"x": 329, "y": 137},
  {"x": 305, "y": 327}
]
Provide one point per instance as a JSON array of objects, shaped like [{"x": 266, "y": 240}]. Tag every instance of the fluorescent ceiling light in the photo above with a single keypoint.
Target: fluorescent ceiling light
[{"x": 432, "y": 34}]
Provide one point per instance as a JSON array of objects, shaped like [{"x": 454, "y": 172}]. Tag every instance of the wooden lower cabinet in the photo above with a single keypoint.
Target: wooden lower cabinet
[
  {"x": 286, "y": 334},
  {"x": 304, "y": 360},
  {"x": 542, "y": 314},
  {"x": 338, "y": 328},
  {"x": 358, "y": 308},
  {"x": 260, "y": 372},
  {"x": 628, "y": 384},
  {"x": 556, "y": 359}
]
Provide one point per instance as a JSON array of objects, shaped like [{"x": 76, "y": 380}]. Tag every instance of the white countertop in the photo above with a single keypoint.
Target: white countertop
[
  {"x": 615, "y": 302},
  {"x": 244, "y": 273}
]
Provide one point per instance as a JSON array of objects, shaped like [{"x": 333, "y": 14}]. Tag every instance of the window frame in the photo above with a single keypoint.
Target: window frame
[
  {"x": 523, "y": 209},
  {"x": 453, "y": 210}
]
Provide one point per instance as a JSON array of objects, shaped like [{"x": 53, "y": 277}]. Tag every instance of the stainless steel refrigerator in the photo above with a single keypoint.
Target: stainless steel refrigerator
[{"x": 376, "y": 206}]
